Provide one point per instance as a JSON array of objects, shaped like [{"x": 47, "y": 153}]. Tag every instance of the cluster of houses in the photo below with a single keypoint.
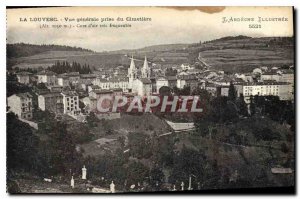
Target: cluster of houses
[{"x": 64, "y": 92}]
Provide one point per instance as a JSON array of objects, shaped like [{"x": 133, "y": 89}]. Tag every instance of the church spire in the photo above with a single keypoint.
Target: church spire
[
  {"x": 132, "y": 65},
  {"x": 146, "y": 73},
  {"x": 146, "y": 64}
]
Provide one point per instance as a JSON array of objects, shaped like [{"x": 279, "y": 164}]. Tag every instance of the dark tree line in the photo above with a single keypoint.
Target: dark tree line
[
  {"x": 278, "y": 110},
  {"x": 22, "y": 145},
  {"x": 66, "y": 67},
  {"x": 55, "y": 155},
  {"x": 24, "y": 50}
]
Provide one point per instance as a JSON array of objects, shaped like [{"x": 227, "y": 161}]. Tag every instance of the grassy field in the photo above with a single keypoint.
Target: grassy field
[
  {"x": 230, "y": 55},
  {"x": 107, "y": 134},
  {"x": 45, "y": 59},
  {"x": 242, "y": 55},
  {"x": 245, "y": 59}
]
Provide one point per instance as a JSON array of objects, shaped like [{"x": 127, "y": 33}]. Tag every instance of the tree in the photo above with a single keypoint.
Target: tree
[
  {"x": 186, "y": 90},
  {"x": 170, "y": 72},
  {"x": 41, "y": 86},
  {"x": 189, "y": 162},
  {"x": 165, "y": 91},
  {"x": 92, "y": 120},
  {"x": 231, "y": 92},
  {"x": 22, "y": 145},
  {"x": 156, "y": 176},
  {"x": 252, "y": 106},
  {"x": 176, "y": 90},
  {"x": 136, "y": 172},
  {"x": 137, "y": 143},
  {"x": 243, "y": 110}
]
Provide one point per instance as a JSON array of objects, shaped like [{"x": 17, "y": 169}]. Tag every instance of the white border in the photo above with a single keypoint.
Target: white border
[{"x": 3, "y": 5}]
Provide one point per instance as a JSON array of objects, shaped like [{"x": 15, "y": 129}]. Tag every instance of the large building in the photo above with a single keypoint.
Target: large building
[
  {"x": 24, "y": 77},
  {"x": 94, "y": 96},
  {"x": 283, "y": 90},
  {"x": 70, "y": 102},
  {"x": 63, "y": 80},
  {"x": 287, "y": 76},
  {"x": 21, "y": 105},
  {"x": 52, "y": 102},
  {"x": 47, "y": 77},
  {"x": 160, "y": 82},
  {"x": 187, "y": 80},
  {"x": 141, "y": 86},
  {"x": 113, "y": 83},
  {"x": 272, "y": 76},
  {"x": 74, "y": 77}
]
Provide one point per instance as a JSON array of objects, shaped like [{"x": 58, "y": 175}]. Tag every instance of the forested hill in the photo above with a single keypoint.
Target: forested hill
[{"x": 25, "y": 50}]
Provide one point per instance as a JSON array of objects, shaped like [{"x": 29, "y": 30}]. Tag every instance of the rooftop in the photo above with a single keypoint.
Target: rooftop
[
  {"x": 72, "y": 74},
  {"x": 46, "y": 72},
  {"x": 86, "y": 76},
  {"x": 24, "y": 95},
  {"x": 170, "y": 78},
  {"x": 102, "y": 91},
  {"x": 266, "y": 83},
  {"x": 145, "y": 81},
  {"x": 117, "y": 89},
  {"x": 269, "y": 73},
  {"x": 52, "y": 94},
  {"x": 24, "y": 73},
  {"x": 69, "y": 93},
  {"x": 187, "y": 77}
]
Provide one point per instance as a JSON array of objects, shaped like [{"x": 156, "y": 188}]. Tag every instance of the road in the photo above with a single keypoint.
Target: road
[{"x": 203, "y": 62}]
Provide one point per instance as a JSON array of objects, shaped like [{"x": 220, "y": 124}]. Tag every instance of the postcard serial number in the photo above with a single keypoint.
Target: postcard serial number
[{"x": 254, "y": 26}]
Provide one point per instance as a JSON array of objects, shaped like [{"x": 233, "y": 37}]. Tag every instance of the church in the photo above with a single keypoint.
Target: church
[{"x": 139, "y": 83}]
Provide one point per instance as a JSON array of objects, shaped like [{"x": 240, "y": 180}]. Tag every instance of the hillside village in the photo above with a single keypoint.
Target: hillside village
[
  {"x": 67, "y": 90},
  {"x": 47, "y": 98}
]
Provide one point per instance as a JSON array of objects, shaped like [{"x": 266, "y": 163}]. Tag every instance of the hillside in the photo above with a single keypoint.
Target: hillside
[
  {"x": 244, "y": 53},
  {"x": 29, "y": 55},
  {"x": 25, "y": 50},
  {"x": 238, "y": 54}
]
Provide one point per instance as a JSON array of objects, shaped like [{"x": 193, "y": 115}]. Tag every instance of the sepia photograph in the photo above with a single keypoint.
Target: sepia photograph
[{"x": 133, "y": 100}]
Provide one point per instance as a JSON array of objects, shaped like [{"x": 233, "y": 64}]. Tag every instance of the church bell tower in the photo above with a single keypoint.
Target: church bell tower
[
  {"x": 146, "y": 72},
  {"x": 132, "y": 73}
]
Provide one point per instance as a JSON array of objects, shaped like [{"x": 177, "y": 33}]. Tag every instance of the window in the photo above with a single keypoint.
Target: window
[{"x": 68, "y": 108}]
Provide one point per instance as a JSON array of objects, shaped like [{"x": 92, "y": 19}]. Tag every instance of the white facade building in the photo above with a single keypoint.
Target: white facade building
[
  {"x": 71, "y": 102},
  {"x": 47, "y": 77},
  {"x": 21, "y": 105},
  {"x": 160, "y": 82},
  {"x": 142, "y": 87},
  {"x": 24, "y": 77},
  {"x": 281, "y": 89}
]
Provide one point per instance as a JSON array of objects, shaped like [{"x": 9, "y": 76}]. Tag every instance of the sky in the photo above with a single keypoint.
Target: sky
[{"x": 168, "y": 25}]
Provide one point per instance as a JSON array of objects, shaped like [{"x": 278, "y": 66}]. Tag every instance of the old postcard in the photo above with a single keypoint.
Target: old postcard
[{"x": 150, "y": 100}]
